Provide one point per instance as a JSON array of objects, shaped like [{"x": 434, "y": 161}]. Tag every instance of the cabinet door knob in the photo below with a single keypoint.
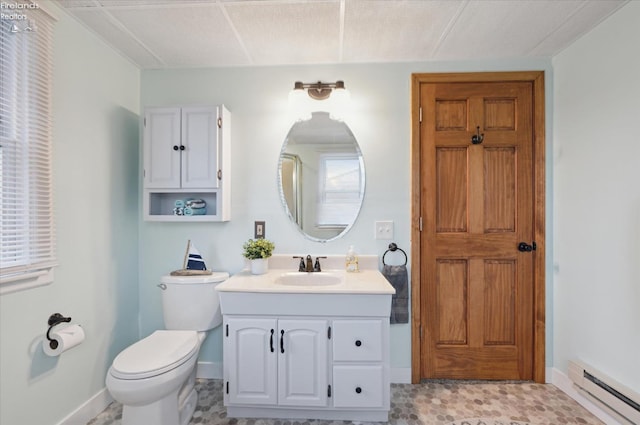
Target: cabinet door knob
[
  {"x": 182, "y": 147},
  {"x": 358, "y": 343},
  {"x": 175, "y": 147},
  {"x": 358, "y": 390}
]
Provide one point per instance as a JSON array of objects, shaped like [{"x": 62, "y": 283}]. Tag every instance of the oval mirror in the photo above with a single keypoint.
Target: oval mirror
[{"x": 321, "y": 177}]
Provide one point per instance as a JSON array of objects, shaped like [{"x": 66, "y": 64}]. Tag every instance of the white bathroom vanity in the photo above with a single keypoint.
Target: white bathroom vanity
[{"x": 316, "y": 347}]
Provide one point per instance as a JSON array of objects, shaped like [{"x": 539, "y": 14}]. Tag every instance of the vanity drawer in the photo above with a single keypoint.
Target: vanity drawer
[
  {"x": 358, "y": 386},
  {"x": 357, "y": 340}
]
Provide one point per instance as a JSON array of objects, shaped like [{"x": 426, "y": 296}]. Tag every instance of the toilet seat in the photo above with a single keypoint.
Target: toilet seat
[{"x": 156, "y": 354}]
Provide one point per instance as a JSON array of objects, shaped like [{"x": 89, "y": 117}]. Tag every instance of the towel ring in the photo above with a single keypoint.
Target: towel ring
[{"x": 393, "y": 247}]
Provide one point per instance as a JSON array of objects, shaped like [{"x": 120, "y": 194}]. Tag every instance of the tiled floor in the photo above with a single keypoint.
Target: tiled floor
[{"x": 429, "y": 403}]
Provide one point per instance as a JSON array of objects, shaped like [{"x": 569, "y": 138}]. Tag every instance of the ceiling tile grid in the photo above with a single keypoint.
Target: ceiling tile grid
[{"x": 223, "y": 33}]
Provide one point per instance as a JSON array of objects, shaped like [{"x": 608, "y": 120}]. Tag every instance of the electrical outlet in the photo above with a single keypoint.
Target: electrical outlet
[
  {"x": 258, "y": 230},
  {"x": 384, "y": 229}
]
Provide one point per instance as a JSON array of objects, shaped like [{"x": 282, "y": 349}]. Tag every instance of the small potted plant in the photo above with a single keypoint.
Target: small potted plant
[{"x": 258, "y": 251}]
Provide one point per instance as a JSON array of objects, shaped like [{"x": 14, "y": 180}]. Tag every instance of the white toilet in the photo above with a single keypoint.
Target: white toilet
[{"x": 154, "y": 378}]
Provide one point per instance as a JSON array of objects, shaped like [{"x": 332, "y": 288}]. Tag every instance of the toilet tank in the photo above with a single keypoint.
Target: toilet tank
[{"x": 191, "y": 302}]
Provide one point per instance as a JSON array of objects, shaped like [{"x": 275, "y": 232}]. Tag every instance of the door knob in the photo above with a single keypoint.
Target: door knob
[{"x": 525, "y": 247}]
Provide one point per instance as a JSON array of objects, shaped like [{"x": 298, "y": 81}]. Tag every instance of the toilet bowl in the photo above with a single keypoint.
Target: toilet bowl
[{"x": 154, "y": 378}]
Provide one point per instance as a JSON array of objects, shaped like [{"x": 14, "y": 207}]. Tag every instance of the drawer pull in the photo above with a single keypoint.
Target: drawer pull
[
  {"x": 358, "y": 343},
  {"x": 358, "y": 390}
]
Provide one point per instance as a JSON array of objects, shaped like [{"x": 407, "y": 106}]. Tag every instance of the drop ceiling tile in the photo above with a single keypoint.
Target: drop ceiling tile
[
  {"x": 113, "y": 35},
  {"x": 383, "y": 30},
  {"x": 501, "y": 29},
  {"x": 138, "y": 3},
  {"x": 189, "y": 36},
  {"x": 287, "y": 32},
  {"x": 582, "y": 21},
  {"x": 77, "y": 3}
]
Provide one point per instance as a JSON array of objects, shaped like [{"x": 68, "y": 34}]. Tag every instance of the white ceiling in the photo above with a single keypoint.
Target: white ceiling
[{"x": 224, "y": 33}]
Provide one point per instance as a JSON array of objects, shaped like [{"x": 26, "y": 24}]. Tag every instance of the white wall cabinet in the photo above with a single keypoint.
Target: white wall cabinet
[
  {"x": 307, "y": 367},
  {"x": 186, "y": 155}
]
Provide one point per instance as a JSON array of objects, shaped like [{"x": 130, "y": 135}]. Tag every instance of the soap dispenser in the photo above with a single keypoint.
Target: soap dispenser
[{"x": 351, "y": 260}]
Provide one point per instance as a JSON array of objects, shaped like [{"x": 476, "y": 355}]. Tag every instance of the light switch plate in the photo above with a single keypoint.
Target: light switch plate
[
  {"x": 258, "y": 230},
  {"x": 384, "y": 229}
]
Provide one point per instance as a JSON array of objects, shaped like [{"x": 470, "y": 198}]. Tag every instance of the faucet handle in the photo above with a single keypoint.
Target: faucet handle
[
  {"x": 316, "y": 267},
  {"x": 301, "y": 267}
]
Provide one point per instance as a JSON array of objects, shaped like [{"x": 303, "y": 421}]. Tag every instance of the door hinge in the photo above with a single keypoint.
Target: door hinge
[
  {"x": 421, "y": 114},
  {"x": 144, "y": 122},
  {"x": 219, "y": 122},
  {"x": 329, "y": 391},
  {"x": 329, "y": 332},
  {"x": 420, "y": 223},
  {"x": 227, "y": 387},
  {"x": 227, "y": 329}
]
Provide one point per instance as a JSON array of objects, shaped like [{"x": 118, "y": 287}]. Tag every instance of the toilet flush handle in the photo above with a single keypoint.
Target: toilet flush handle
[{"x": 162, "y": 286}]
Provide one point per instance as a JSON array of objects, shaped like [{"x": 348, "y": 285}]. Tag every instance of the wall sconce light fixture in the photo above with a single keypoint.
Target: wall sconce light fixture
[{"x": 329, "y": 97}]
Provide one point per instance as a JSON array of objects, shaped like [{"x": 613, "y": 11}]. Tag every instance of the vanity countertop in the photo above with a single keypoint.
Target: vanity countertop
[{"x": 366, "y": 281}]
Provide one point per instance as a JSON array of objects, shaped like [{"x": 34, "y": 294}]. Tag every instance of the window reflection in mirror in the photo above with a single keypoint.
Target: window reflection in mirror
[{"x": 321, "y": 177}]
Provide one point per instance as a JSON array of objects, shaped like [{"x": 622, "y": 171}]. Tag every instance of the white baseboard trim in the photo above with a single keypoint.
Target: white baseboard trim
[
  {"x": 209, "y": 370},
  {"x": 400, "y": 375},
  {"x": 89, "y": 410},
  {"x": 548, "y": 375},
  {"x": 562, "y": 381}
]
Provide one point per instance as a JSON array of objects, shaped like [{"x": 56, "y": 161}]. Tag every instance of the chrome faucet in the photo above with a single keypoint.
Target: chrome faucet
[{"x": 306, "y": 264}]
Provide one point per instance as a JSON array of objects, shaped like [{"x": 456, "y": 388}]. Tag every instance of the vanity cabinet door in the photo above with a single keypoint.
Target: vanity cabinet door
[
  {"x": 250, "y": 358},
  {"x": 302, "y": 362}
]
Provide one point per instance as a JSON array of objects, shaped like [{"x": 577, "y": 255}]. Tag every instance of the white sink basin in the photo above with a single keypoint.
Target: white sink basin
[{"x": 310, "y": 279}]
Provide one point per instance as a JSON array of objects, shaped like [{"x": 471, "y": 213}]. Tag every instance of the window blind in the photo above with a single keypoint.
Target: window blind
[
  {"x": 27, "y": 235},
  {"x": 340, "y": 191}
]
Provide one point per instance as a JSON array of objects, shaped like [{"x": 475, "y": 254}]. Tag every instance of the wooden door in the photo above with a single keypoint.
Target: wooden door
[{"x": 477, "y": 292}]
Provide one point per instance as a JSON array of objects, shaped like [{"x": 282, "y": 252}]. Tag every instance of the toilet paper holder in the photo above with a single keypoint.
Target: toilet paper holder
[{"x": 55, "y": 319}]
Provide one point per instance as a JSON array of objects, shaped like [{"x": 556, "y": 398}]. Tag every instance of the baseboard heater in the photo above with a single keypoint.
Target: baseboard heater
[{"x": 609, "y": 394}]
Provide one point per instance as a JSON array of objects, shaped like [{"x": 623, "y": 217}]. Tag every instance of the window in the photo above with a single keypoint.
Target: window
[
  {"x": 27, "y": 239},
  {"x": 340, "y": 191}
]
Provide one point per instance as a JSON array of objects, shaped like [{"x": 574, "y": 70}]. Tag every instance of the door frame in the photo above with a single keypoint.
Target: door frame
[{"x": 539, "y": 328}]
